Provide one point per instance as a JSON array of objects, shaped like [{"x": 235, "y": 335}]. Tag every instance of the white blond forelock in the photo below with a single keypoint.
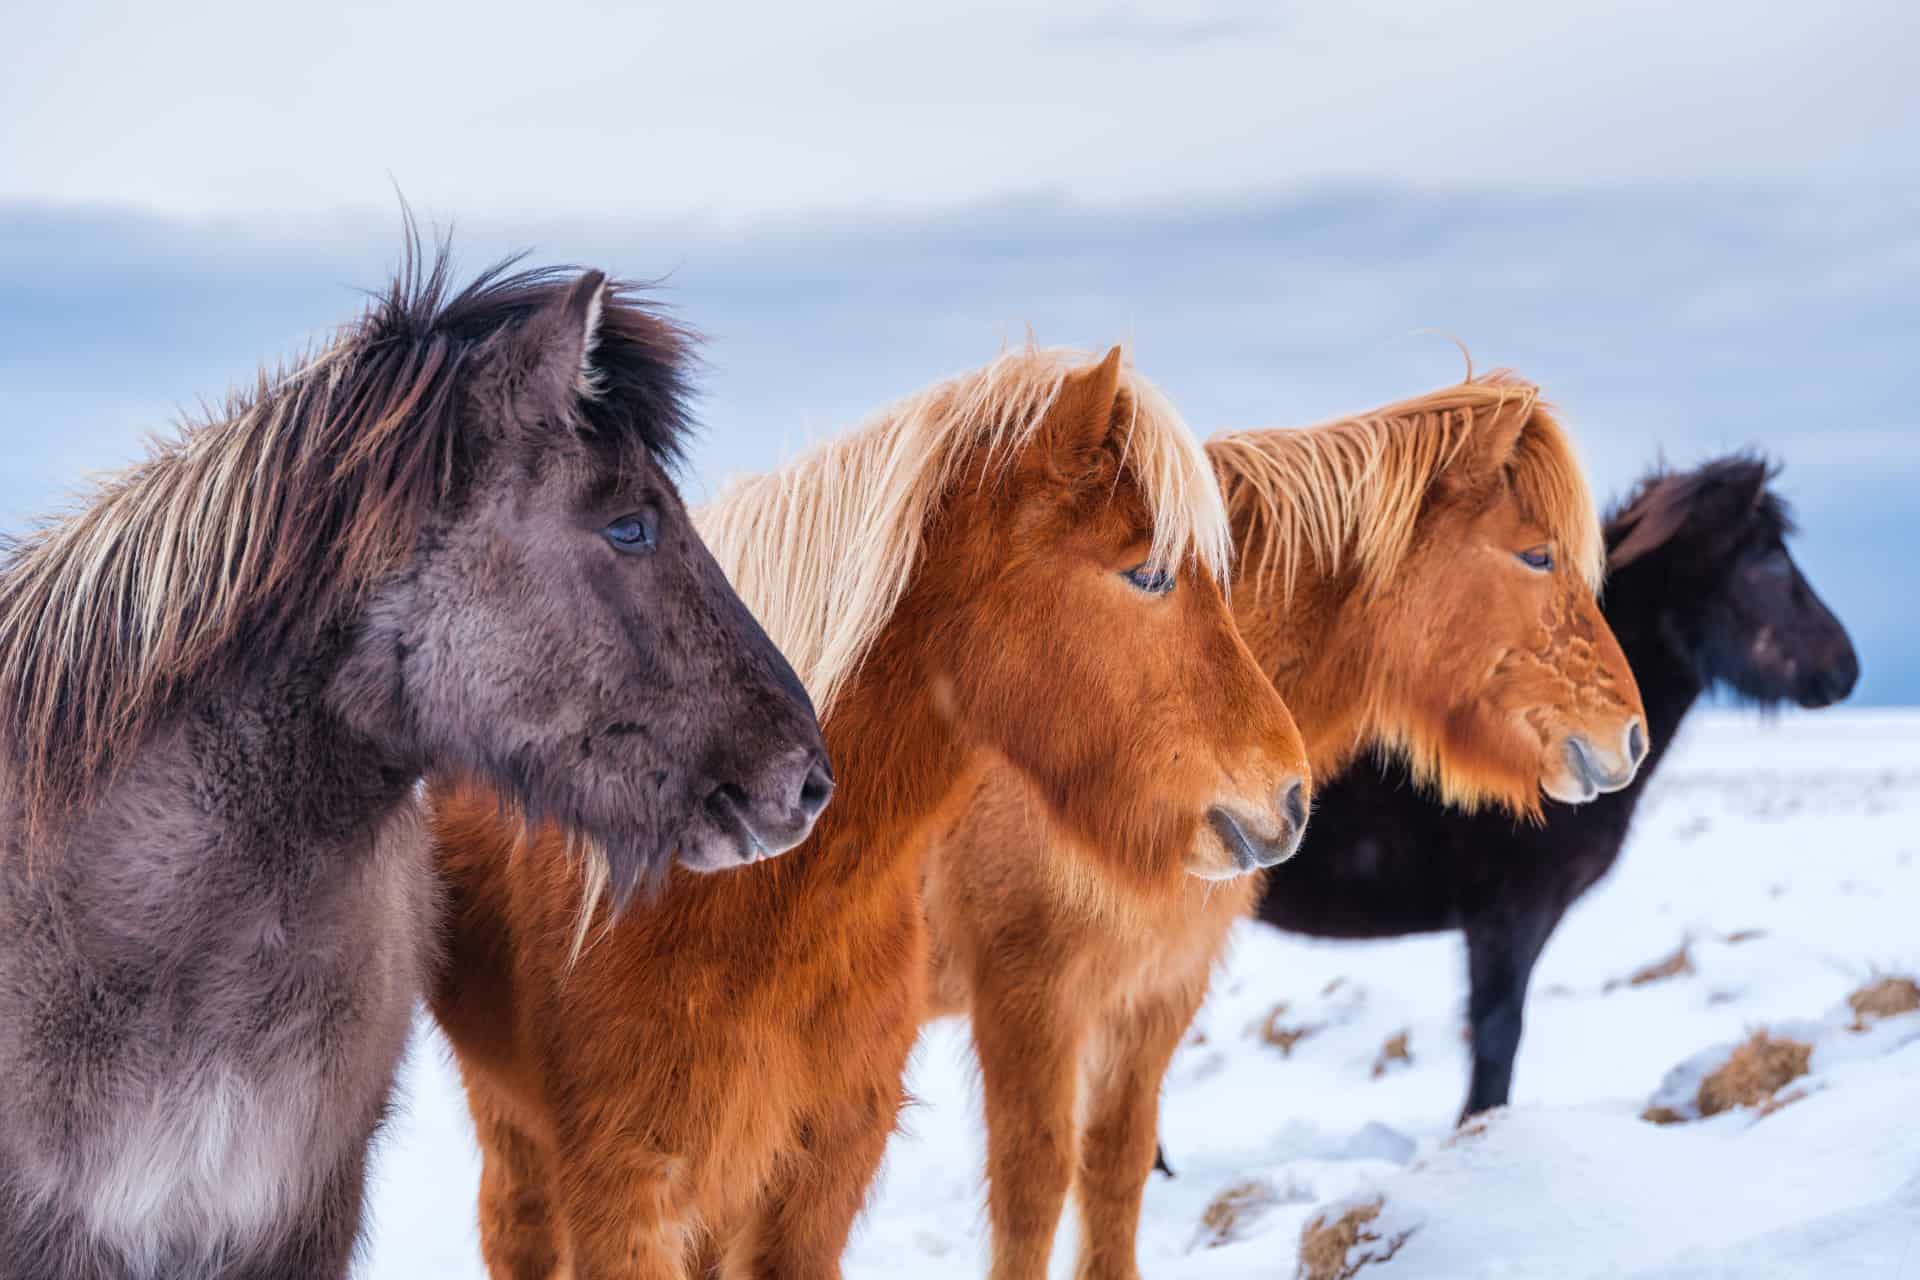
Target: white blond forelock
[{"x": 822, "y": 549}]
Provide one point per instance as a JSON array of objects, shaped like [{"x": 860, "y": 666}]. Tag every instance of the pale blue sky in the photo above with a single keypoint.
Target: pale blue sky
[{"x": 1697, "y": 229}]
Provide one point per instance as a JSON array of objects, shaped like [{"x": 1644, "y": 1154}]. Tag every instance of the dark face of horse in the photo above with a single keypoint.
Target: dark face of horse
[
  {"x": 565, "y": 635},
  {"x": 1771, "y": 639},
  {"x": 1756, "y": 626}
]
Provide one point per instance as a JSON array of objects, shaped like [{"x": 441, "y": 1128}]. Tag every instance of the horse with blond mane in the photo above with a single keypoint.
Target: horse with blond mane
[
  {"x": 1418, "y": 580},
  {"x": 1702, "y": 591},
  {"x": 1022, "y": 565},
  {"x": 448, "y": 541}
]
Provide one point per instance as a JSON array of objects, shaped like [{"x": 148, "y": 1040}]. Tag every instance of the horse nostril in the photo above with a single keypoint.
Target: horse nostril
[
  {"x": 1636, "y": 745},
  {"x": 727, "y": 801},
  {"x": 1293, "y": 803},
  {"x": 817, "y": 789}
]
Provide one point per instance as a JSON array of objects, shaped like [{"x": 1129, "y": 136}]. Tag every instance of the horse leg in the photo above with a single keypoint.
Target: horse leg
[
  {"x": 800, "y": 1228},
  {"x": 1028, "y": 1043},
  {"x": 519, "y": 1239},
  {"x": 624, "y": 1210},
  {"x": 1119, "y": 1147},
  {"x": 1501, "y": 950}
]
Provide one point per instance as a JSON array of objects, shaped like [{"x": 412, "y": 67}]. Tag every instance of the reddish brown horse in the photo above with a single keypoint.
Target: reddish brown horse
[
  {"x": 1421, "y": 579},
  {"x": 1701, "y": 591},
  {"x": 1021, "y": 565}
]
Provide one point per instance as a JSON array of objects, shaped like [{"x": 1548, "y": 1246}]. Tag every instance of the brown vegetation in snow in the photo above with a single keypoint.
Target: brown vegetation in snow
[
  {"x": 1393, "y": 1052},
  {"x": 1885, "y": 997},
  {"x": 1232, "y": 1211},
  {"x": 1750, "y": 1077},
  {"x": 1678, "y": 964},
  {"x": 1337, "y": 1249},
  {"x": 1278, "y": 1033}
]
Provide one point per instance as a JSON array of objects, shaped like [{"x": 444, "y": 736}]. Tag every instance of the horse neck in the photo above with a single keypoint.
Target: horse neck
[
  {"x": 292, "y": 710},
  {"x": 1637, "y": 610},
  {"x": 1313, "y": 645},
  {"x": 262, "y": 780},
  {"x": 899, "y": 768}
]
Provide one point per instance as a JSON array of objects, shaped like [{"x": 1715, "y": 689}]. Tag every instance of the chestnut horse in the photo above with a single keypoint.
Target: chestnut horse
[
  {"x": 1023, "y": 564},
  {"x": 1419, "y": 579},
  {"x": 1701, "y": 591}
]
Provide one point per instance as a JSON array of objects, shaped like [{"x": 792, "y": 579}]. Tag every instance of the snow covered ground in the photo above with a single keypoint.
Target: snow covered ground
[{"x": 1785, "y": 855}]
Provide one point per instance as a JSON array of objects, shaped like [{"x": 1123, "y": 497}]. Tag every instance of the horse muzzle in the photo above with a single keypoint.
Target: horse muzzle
[
  {"x": 1592, "y": 770},
  {"x": 1255, "y": 841}
]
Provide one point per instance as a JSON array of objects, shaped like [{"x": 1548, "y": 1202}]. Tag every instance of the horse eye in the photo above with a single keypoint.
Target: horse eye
[
  {"x": 1536, "y": 557},
  {"x": 1150, "y": 579},
  {"x": 637, "y": 532}
]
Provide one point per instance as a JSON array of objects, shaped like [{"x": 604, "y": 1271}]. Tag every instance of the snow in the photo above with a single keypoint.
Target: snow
[{"x": 1784, "y": 853}]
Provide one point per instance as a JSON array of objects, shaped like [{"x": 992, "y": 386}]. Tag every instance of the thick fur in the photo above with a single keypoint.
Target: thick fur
[
  {"x": 226, "y": 676},
  {"x": 712, "y": 1087},
  {"x": 1379, "y": 588},
  {"x": 1702, "y": 591}
]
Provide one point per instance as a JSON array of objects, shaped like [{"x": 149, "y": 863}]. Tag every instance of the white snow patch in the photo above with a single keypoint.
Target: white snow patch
[{"x": 1805, "y": 828}]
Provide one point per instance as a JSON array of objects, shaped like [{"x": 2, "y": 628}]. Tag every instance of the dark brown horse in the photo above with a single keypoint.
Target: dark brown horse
[
  {"x": 444, "y": 543},
  {"x": 1702, "y": 592}
]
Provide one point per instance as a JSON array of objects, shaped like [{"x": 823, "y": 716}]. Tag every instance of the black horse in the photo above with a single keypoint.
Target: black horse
[{"x": 1700, "y": 591}]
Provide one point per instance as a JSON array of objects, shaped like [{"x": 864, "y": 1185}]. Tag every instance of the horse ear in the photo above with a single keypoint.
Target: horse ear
[
  {"x": 1083, "y": 413},
  {"x": 581, "y": 318},
  {"x": 1496, "y": 436},
  {"x": 559, "y": 341},
  {"x": 1492, "y": 438},
  {"x": 1660, "y": 516}
]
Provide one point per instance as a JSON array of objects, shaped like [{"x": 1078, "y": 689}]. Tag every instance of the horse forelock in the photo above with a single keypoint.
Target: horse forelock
[
  {"x": 1348, "y": 494},
  {"x": 1551, "y": 486},
  {"x": 823, "y": 549}
]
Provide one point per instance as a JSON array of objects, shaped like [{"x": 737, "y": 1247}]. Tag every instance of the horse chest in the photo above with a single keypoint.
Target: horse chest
[{"x": 252, "y": 1065}]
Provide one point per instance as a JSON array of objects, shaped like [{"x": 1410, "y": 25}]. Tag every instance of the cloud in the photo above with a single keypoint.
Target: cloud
[
  {"x": 1133, "y": 24},
  {"x": 732, "y": 112}
]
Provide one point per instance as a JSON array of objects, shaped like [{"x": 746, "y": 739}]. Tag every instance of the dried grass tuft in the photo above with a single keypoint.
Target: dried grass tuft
[
  {"x": 1885, "y": 997},
  {"x": 1337, "y": 1250},
  {"x": 1754, "y": 1072},
  {"x": 1232, "y": 1211},
  {"x": 1276, "y": 1032},
  {"x": 1678, "y": 964},
  {"x": 1393, "y": 1053},
  {"x": 1751, "y": 1076}
]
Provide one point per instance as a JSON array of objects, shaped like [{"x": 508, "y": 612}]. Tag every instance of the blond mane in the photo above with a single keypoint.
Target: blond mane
[
  {"x": 822, "y": 549},
  {"x": 1347, "y": 494}
]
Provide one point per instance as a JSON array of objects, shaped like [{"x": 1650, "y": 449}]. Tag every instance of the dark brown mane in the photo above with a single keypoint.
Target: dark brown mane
[
  {"x": 1664, "y": 500},
  {"x": 249, "y": 531}
]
